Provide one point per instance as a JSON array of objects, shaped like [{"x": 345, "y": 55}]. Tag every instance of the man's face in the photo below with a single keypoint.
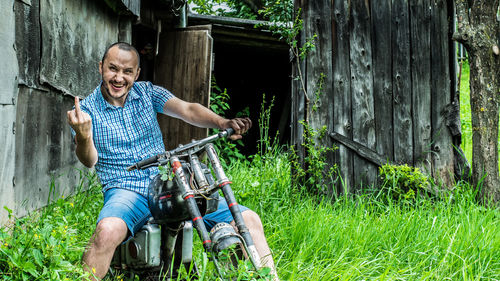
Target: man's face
[{"x": 119, "y": 70}]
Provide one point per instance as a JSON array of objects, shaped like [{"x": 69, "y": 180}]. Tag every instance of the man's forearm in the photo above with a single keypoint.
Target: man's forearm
[
  {"x": 85, "y": 151},
  {"x": 203, "y": 117},
  {"x": 198, "y": 115}
]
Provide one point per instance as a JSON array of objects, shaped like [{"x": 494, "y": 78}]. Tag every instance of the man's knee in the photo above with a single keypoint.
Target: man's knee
[
  {"x": 109, "y": 233},
  {"x": 252, "y": 220}
]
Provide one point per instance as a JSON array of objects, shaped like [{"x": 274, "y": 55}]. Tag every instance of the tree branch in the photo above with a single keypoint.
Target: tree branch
[{"x": 463, "y": 33}]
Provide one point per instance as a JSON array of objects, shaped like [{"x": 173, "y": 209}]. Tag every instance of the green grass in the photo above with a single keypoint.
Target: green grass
[
  {"x": 353, "y": 238},
  {"x": 364, "y": 237},
  {"x": 48, "y": 244},
  {"x": 465, "y": 113}
]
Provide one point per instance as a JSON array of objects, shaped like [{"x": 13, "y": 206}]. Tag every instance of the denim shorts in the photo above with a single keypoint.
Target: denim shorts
[
  {"x": 223, "y": 214},
  {"x": 133, "y": 209}
]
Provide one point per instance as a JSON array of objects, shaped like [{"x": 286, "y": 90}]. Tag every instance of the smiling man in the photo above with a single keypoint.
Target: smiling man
[{"x": 115, "y": 127}]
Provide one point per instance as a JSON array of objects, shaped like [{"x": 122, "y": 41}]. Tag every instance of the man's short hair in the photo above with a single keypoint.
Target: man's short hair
[{"x": 123, "y": 46}]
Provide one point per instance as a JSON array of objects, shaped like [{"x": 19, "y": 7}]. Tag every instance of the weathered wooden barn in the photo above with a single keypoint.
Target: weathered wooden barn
[
  {"x": 51, "y": 50},
  {"x": 389, "y": 90}
]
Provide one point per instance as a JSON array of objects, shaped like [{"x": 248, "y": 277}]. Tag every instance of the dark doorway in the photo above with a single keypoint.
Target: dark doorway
[
  {"x": 249, "y": 73},
  {"x": 249, "y": 63},
  {"x": 144, "y": 40}
]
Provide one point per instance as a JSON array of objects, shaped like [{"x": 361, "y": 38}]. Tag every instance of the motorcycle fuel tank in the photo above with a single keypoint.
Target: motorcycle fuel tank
[{"x": 141, "y": 251}]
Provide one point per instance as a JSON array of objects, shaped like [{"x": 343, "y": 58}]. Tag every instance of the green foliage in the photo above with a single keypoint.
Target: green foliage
[
  {"x": 402, "y": 182},
  {"x": 47, "y": 245},
  {"x": 314, "y": 171},
  {"x": 266, "y": 143},
  {"x": 288, "y": 27},
  {"x": 318, "y": 92},
  {"x": 272, "y": 10},
  {"x": 165, "y": 172},
  {"x": 219, "y": 99},
  {"x": 279, "y": 13},
  {"x": 205, "y": 7},
  {"x": 234, "y": 8},
  {"x": 234, "y": 267},
  {"x": 312, "y": 237},
  {"x": 465, "y": 111},
  {"x": 239, "y": 9},
  {"x": 228, "y": 150}
]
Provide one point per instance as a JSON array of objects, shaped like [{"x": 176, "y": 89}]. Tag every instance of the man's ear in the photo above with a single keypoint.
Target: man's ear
[
  {"x": 137, "y": 75},
  {"x": 100, "y": 67}
]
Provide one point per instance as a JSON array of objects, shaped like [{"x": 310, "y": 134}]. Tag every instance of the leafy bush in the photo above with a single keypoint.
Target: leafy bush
[
  {"x": 271, "y": 10},
  {"x": 228, "y": 150},
  {"x": 403, "y": 181}
]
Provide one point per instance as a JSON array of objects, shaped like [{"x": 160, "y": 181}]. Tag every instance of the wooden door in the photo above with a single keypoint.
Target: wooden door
[{"x": 184, "y": 66}]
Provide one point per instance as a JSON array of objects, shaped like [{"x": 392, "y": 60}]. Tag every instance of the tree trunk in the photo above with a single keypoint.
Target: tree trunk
[{"x": 478, "y": 30}]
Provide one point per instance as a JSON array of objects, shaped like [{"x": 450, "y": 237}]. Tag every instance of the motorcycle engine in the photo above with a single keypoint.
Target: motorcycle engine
[{"x": 167, "y": 205}]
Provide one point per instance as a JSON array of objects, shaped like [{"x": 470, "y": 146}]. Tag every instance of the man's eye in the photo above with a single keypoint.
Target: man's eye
[
  {"x": 112, "y": 68},
  {"x": 128, "y": 71}
]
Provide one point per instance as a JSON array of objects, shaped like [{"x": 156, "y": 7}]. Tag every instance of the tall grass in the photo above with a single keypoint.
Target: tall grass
[
  {"x": 465, "y": 112},
  {"x": 48, "y": 244},
  {"x": 312, "y": 238},
  {"x": 363, "y": 238}
]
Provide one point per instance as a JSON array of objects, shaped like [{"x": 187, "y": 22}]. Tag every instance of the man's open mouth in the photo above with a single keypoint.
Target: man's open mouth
[{"x": 117, "y": 87}]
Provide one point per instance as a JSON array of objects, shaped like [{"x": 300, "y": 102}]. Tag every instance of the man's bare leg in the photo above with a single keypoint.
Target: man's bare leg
[
  {"x": 254, "y": 224},
  {"x": 109, "y": 233}
]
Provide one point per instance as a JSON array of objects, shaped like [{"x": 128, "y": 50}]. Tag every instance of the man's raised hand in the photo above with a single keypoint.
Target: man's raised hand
[
  {"x": 240, "y": 126},
  {"x": 80, "y": 122}
]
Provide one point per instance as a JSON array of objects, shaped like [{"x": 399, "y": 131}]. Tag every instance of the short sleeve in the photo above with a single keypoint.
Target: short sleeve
[{"x": 160, "y": 96}]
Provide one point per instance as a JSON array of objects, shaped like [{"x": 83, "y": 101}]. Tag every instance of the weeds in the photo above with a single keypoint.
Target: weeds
[
  {"x": 354, "y": 238},
  {"x": 48, "y": 244},
  {"x": 357, "y": 237},
  {"x": 402, "y": 182},
  {"x": 314, "y": 172}
]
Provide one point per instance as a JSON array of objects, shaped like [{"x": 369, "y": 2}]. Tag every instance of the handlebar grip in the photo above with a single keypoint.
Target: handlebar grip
[
  {"x": 143, "y": 163},
  {"x": 229, "y": 132}
]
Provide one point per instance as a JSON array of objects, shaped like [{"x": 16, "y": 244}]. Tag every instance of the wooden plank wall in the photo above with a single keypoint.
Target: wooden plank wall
[
  {"x": 184, "y": 66},
  {"x": 387, "y": 83}
]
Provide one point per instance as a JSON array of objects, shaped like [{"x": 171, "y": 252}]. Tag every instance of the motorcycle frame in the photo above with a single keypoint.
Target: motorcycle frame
[{"x": 222, "y": 182}]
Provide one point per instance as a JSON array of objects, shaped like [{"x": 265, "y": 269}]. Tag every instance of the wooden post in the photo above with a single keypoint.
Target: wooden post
[
  {"x": 382, "y": 76},
  {"x": 401, "y": 81},
  {"x": 363, "y": 112},
  {"x": 421, "y": 83},
  {"x": 342, "y": 118},
  {"x": 442, "y": 150}
]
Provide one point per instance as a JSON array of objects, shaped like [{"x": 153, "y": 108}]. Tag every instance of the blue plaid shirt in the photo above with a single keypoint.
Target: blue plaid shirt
[{"x": 126, "y": 135}]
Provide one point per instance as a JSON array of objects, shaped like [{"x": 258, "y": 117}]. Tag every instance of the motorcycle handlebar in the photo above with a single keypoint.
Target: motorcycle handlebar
[
  {"x": 143, "y": 163},
  {"x": 154, "y": 159}
]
